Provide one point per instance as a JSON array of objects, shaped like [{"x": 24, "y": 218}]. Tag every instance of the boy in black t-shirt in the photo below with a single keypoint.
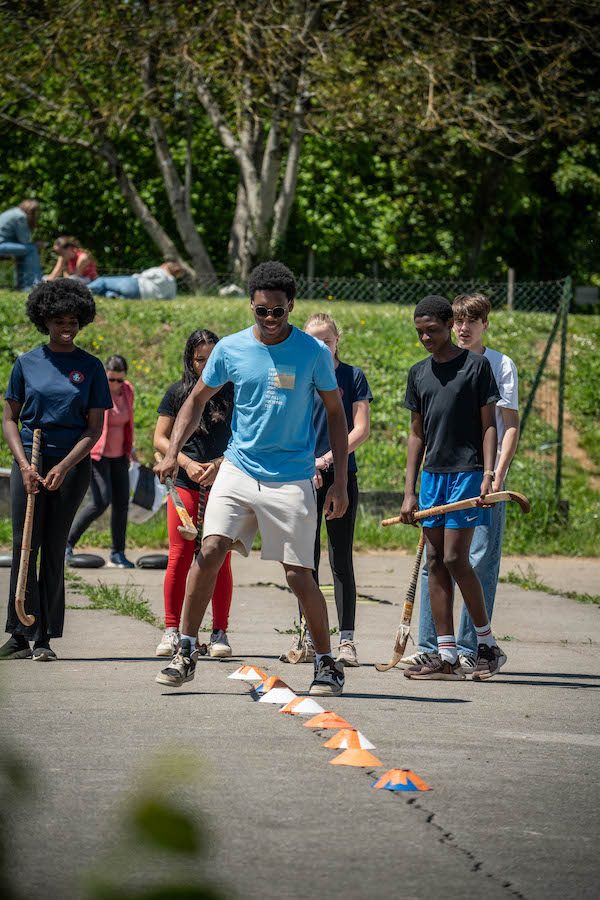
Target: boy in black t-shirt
[{"x": 452, "y": 396}]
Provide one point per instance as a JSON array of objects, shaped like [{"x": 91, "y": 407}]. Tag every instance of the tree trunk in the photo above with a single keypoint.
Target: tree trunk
[{"x": 240, "y": 259}]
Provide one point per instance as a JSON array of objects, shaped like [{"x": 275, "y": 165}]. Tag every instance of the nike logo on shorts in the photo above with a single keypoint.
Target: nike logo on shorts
[{"x": 470, "y": 518}]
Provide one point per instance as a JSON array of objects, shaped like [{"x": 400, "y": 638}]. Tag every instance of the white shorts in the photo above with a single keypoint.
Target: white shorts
[{"x": 285, "y": 513}]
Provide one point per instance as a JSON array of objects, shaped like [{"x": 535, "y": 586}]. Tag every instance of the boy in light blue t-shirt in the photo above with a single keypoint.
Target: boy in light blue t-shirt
[{"x": 265, "y": 481}]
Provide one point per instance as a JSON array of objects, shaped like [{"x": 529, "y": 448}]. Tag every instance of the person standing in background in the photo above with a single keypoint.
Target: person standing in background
[{"x": 110, "y": 467}]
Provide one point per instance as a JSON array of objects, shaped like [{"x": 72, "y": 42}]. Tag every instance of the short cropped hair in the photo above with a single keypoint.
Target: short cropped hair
[
  {"x": 435, "y": 306},
  {"x": 272, "y": 276},
  {"x": 471, "y": 306},
  {"x": 64, "y": 297}
]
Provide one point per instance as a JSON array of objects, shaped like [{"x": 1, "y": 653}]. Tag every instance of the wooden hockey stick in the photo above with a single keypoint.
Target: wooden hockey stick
[
  {"x": 404, "y": 627},
  {"x": 187, "y": 529},
  {"x": 21, "y": 589},
  {"x": 489, "y": 500}
]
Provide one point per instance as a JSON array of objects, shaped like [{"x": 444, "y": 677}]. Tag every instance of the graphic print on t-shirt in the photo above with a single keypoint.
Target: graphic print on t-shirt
[{"x": 279, "y": 378}]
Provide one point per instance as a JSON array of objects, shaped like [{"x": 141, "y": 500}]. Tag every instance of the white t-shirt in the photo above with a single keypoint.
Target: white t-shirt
[
  {"x": 156, "y": 284},
  {"x": 507, "y": 379}
]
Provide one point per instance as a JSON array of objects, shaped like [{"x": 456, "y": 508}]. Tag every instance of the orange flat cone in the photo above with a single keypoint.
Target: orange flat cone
[
  {"x": 302, "y": 706},
  {"x": 400, "y": 780},
  {"x": 248, "y": 673},
  {"x": 268, "y": 684},
  {"x": 329, "y": 720},
  {"x": 356, "y": 758},
  {"x": 349, "y": 739}
]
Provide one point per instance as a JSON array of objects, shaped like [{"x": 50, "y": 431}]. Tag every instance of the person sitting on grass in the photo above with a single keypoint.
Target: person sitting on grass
[
  {"x": 451, "y": 396},
  {"x": 157, "y": 283},
  {"x": 62, "y": 390},
  {"x": 471, "y": 320},
  {"x": 16, "y": 226},
  {"x": 73, "y": 261}
]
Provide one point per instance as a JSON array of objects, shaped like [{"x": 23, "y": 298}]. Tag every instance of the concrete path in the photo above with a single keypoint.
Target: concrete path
[{"x": 513, "y": 763}]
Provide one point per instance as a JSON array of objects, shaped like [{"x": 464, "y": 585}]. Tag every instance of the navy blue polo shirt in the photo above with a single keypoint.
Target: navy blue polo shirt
[
  {"x": 353, "y": 386},
  {"x": 57, "y": 391}
]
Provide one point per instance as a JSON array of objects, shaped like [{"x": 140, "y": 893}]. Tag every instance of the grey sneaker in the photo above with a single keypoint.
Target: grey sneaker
[
  {"x": 169, "y": 643},
  {"x": 16, "y": 647},
  {"x": 347, "y": 654},
  {"x": 301, "y": 651},
  {"x": 489, "y": 662},
  {"x": 437, "y": 669},
  {"x": 420, "y": 658},
  {"x": 329, "y": 678},
  {"x": 219, "y": 646},
  {"x": 43, "y": 652},
  {"x": 182, "y": 667}
]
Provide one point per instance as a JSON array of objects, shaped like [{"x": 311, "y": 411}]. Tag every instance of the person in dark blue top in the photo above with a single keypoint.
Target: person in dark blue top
[
  {"x": 356, "y": 396},
  {"x": 62, "y": 390}
]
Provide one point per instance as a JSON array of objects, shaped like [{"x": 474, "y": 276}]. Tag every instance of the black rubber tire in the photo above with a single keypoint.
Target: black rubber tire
[
  {"x": 153, "y": 561},
  {"x": 5, "y": 560},
  {"x": 86, "y": 561}
]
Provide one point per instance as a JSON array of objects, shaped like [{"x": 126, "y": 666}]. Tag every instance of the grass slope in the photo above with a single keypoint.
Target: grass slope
[{"x": 380, "y": 339}]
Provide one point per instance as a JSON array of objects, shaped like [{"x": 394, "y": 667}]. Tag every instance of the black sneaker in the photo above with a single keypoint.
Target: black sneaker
[
  {"x": 489, "y": 662},
  {"x": 43, "y": 652},
  {"x": 329, "y": 678},
  {"x": 182, "y": 667},
  {"x": 16, "y": 647}
]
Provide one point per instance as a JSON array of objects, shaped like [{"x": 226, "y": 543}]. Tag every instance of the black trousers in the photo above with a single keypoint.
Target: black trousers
[
  {"x": 53, "y": 515},
  {"x": 340, "y": 537},
  {"x": 110, "y": 487}
]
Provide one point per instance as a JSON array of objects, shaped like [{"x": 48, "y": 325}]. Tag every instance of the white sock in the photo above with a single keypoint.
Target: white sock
[
  {"x": 188, "y": 637},
  {"x": 347, "y": 635},
  {"x": 485, "y": 636},
  {"x": 319, "y": 656},
  {"x": 171, "y": 630},
  {"x": 447, "y": 648}
]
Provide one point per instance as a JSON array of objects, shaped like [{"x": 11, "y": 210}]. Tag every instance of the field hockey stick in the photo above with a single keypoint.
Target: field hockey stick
[
  {"x": 187, "y": 529},
  {"x": 488, "y": 500},
  {"x": 21, "y": 590},
  {"x": 407, "y": 609}
]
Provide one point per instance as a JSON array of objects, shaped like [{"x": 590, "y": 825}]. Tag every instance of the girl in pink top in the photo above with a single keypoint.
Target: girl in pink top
[
  {"x": 73, "y": 261},
  {"x": 110, "y": 467}
]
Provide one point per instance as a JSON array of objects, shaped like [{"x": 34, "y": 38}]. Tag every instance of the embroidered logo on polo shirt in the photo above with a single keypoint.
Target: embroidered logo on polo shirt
[{"x": 76, "y": 377}]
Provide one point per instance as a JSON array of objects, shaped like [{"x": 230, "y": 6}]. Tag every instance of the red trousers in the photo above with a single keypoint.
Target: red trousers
[{"x": 181, "y": 556}]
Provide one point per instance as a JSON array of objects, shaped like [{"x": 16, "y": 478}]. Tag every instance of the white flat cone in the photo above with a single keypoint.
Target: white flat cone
[
  {"x": 247, "y": 673},
  {"x": 305, "y": 707},
  {"x": 278, "y": 695}
]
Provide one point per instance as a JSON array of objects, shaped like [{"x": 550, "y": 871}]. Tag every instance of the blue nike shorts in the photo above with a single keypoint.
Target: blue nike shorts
[{"x": 439, "y": 488}]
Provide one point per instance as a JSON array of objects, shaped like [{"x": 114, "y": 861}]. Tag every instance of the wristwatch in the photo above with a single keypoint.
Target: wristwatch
[{"x": 490, "y": 473}]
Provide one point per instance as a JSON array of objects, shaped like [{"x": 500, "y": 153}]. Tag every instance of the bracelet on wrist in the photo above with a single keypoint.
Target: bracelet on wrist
[{"x": 490, "y": 473}]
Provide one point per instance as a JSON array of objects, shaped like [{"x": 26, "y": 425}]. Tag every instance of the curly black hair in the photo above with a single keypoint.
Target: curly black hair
[
  {"x": 435, "y": 306},
  {"x": 64, "y": 297},
  {"x": 272, "y": 276}
]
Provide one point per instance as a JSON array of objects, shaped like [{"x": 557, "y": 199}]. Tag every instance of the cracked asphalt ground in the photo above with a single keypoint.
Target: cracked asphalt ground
[{"x": 513, "y": 763}]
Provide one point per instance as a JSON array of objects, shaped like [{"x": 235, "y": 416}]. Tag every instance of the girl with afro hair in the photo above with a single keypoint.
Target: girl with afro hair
[{"x": 62, "y": 390}]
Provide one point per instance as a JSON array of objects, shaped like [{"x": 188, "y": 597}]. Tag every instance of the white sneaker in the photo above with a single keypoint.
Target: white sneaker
[
  {"x": 347, "y": 654},
  {"x": 169, "y": 643},
  {"x": 420, "y": 658},
  {"x": 467, "y": 663},
  {"x": 219, "y": 646}
]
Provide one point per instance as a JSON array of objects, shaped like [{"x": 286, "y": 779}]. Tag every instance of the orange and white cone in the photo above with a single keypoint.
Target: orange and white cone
[
  {"x": 268, "y": 684},
  {"x": 349, "y": 739},
  {"x": 248, "y": 673},
  {"x": 400, "y": 780},
  {"x": 302, "y": 706},
  {"x": 327, "y": 720},
  {"x": 278, "y": 695},
  {"x": 362, "y": 758}
]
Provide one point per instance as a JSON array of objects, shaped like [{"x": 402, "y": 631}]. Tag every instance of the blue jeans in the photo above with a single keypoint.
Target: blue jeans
[
  {"x": 116, "y": 286},
  {"x": 27, "y": 258},
  {"x": 486, "y": 550}
]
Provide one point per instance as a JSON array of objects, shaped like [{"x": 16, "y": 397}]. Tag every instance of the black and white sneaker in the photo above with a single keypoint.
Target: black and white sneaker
[
  {"x": 182, "y": 667},
  {"x": 329, "y": 678}
]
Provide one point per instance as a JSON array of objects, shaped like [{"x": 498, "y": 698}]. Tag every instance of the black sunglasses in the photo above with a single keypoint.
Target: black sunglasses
[
  {"x": 118, "y": 380},
  {"x": 263, "y": 311}
]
